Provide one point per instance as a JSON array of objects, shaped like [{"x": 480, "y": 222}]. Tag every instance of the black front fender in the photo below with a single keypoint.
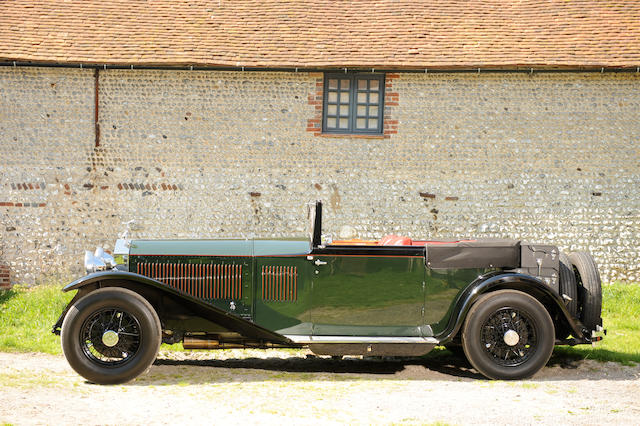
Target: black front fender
[
  {"x": 116, "y": 278},
  {"x": 513, "y": 281}
]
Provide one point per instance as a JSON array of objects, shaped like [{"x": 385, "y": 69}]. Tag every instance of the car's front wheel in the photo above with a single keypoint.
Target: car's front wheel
[
  {"x": 508, "y": 335},
  {"x": 111, "y": 335}
]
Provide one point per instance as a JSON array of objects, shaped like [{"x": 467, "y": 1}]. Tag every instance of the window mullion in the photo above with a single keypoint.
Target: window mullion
[
  {"x": 366, "y": 108},
  {"x": 381, "y": 92},
  {"x": 352, "y": 104},
  {"x": 325, "y": 102}
]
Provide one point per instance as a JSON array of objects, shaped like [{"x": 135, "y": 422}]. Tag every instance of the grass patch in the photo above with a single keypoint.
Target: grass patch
[
  {"x": 29, "y": 380},
  {"x": 530, "y": 385},
  {"x": 621, "y": 318},
  {"x": 27, "y": 315}
]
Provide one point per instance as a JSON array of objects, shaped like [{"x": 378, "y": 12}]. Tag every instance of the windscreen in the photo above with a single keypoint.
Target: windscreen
[{"x": 311, "y": 220}]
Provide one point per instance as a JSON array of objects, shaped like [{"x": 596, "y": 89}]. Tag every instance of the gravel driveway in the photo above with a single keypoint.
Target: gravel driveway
[{"x": 278, "y": 386}]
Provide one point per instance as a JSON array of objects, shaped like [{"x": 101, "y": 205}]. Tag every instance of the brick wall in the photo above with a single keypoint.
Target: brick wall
[
  {"x": 5, "y": 279},
  {"x": 194, "y": 154}
]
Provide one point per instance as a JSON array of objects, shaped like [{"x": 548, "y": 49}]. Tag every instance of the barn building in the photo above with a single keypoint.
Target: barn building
[{"x": 208, "y": 119}]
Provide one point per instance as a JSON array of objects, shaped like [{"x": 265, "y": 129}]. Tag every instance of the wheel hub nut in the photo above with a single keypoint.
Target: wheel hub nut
[
  {"x": 110, "y": 338},
  {"x": 511, "y": 337}
]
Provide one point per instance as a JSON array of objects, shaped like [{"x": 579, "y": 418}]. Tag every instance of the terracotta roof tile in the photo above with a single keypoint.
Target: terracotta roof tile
[{"x": 315, "y": 33}]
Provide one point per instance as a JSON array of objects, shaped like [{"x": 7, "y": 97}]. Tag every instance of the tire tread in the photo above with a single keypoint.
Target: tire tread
[
  {"x": 100, "y": 374},
  {"x": 589, "y": 289},
  {"x": 472, "y": 345},
  {"x": 568, "y": 284}
]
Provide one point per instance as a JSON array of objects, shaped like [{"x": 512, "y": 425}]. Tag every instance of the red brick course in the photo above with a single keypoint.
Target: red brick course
[
  {"x": 391, "y": 99},
  {"x": 5, "y": 277},
  {"x": 11, "y": 204},
  {"x": 314, "y": 125}
]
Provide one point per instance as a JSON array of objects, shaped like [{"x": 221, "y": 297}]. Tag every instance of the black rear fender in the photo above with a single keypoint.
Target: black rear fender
[
  {"x": 514, "y": 281},
  {"x": 168, "y": 302}
]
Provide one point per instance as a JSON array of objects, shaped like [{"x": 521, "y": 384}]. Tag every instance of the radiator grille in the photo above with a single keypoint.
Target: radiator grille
[
  {"x": 204, "y": 280},
  {"x": 279, "y": 283}
]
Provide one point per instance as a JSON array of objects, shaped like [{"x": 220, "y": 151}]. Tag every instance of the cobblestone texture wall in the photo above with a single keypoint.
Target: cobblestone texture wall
[{"x": 191, "y": 154}]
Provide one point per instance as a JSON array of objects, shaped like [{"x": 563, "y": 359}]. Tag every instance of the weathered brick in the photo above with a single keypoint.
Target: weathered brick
[{"x": 5, "y": 277}]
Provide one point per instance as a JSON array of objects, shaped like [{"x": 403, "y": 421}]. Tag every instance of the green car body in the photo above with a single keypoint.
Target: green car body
[{"x": 341, "y": 298}]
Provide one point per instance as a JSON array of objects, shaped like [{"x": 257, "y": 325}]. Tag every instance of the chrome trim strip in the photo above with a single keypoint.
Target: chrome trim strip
[{"x": 303, "y": 339}]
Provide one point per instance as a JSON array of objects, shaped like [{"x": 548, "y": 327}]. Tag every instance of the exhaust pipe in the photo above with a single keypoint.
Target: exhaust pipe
[
  {"x": 197, "y": 343},
  {"x": 202, "y": 342}
]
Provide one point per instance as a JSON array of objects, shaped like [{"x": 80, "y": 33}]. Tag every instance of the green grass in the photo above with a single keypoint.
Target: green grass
[
  {"x": 27, "y": 314},
  {"x": 621, "y": 318}
]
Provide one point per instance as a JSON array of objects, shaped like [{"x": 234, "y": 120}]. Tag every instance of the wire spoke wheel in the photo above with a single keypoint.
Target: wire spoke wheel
[
  {"x": 110, "y": 337},
  {"x": 509, "y": 337}
]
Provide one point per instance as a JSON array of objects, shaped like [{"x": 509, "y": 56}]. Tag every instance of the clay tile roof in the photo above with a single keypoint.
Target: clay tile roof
[{"x": 324, "y": 34}]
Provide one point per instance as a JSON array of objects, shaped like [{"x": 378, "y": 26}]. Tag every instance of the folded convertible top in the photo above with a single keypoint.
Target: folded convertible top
[{"x": 488, "y": 253}]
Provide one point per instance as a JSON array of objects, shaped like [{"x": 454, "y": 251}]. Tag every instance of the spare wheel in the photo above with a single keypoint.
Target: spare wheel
[
  {"x": 589, "y": 289},
  {"x": 568, "y": 287}
]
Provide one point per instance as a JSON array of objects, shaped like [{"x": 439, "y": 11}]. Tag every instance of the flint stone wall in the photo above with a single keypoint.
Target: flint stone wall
[{"x": 549, "y": 158}]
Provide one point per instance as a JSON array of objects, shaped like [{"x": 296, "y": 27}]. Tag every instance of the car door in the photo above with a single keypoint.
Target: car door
[
  {"x": 367, "y": 291},
  {"x": 282, "y": 286}
]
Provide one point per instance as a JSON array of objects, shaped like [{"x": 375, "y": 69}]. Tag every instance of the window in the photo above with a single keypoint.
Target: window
[{"x": 353, "y": 103}]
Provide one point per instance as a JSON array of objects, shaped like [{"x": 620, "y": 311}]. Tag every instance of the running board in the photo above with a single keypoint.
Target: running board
[{"x": 306, "y": 340}]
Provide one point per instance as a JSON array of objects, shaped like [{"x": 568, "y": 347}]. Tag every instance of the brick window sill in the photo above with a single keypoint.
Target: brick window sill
[{"x": 350, "y": 136}]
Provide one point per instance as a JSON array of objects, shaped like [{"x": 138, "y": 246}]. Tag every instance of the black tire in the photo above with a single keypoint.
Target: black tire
[
  {"x": 484, "y": 335},
  {"x": 568, "y": 285},
  {"x": 137, "y": 329},
  {"x": 589, "y": 289}
]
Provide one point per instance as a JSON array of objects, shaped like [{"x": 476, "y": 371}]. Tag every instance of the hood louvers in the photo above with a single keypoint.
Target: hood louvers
[{"x": 204, "y": 281}]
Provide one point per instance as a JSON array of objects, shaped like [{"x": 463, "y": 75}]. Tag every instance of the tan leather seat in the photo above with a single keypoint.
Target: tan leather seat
[{"x": 394, "y": 240}]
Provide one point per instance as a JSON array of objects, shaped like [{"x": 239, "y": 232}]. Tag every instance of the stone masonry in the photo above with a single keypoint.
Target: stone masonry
[{"x": 550, "y": 158}]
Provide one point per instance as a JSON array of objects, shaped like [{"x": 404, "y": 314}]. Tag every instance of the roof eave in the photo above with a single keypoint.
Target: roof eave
[{"x": 439, "y": 68}]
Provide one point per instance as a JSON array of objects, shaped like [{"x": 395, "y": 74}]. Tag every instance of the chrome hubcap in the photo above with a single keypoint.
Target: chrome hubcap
[
  {"x": 110, "y": 338},
  {"x": 511, "y": 337}
]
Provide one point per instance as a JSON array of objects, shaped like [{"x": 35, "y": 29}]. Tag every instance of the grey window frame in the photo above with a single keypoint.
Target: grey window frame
[{"x": 353, "y": 102}]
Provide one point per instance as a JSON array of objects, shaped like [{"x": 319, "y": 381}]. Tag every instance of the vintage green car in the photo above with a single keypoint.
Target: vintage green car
[{"x": 506, "y": 303}]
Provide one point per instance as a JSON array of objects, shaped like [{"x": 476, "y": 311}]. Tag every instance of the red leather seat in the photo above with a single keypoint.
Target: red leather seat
[{"x": 394, "y": 240}]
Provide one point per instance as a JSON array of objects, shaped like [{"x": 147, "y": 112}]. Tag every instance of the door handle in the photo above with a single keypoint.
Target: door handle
[{"x": 319, "y": 262}]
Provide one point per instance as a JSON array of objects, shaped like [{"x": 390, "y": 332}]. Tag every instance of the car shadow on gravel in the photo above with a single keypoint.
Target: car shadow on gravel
[{"x": 442, "y": 367}]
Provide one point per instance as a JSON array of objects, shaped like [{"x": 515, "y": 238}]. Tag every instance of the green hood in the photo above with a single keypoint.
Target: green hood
[{"x": 219, "y": 247}]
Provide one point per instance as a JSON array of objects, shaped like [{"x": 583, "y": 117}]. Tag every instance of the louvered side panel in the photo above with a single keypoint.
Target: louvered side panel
[
  {"x": 279, "y": 283},
  {"x": 204, "y": 281}
]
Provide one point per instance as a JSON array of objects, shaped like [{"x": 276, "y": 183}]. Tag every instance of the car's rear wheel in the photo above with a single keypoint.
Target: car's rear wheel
[
  {"x": 111, "y": 335},
  {"x": 508, "y": 335},
  {"x": 589, "y": 289}
]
